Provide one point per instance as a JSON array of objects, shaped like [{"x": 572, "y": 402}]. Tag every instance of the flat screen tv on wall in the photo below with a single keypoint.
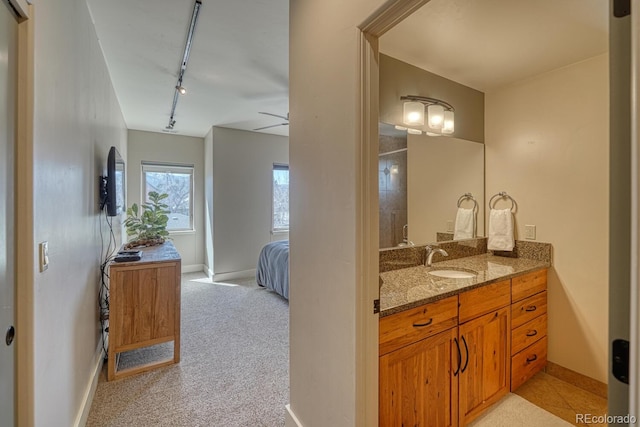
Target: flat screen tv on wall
[{"x": 113, "y": 194}]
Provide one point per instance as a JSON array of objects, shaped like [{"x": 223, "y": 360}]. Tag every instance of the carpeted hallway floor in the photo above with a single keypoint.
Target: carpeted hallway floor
[{"x": 233, "y": 369}]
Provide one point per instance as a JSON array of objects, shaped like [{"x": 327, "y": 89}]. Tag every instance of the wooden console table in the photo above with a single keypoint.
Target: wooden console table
[{"x": 144, "y": 307}]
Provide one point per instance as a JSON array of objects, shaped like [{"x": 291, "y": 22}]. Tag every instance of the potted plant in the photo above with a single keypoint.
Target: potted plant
[{"x": 148, "y": 227}]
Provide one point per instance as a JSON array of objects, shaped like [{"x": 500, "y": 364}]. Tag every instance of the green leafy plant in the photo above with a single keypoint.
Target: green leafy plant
[{"x": 149, "y": 225}]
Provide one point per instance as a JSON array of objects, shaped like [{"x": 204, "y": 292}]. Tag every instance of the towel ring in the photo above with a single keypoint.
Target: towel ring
[
  {"x": 503, "y": 195},
  {"x": 468, "y": 196}
]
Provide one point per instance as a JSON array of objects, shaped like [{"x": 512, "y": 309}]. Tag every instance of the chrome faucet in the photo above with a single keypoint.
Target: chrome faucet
[{"x": 430, "y": 252}]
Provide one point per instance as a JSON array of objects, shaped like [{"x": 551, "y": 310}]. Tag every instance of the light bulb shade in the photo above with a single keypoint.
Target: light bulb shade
[
  {"x": 448, "y": 125},
  {"x": 413, "y": 113},
  {"x": 435, "y": 115}
]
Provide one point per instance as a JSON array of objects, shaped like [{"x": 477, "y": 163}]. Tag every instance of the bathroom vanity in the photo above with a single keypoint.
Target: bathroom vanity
[{"x": 452, "y": 346}]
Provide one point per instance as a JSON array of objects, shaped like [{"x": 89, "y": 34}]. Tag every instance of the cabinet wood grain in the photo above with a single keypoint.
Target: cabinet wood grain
[
  {"x": 406, "y": 327},
  {"x": 144, "y": 307},
  {"x": 485, "y": 299},
  {"x": 417, "y": 384}
]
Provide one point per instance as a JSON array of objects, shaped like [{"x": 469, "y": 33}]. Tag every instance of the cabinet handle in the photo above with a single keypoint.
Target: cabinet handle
[
  {"x": 532, "y": 333},
  {"x": 420, "y": 325},
  {"x": 466, "y": 349},
  {"x": 532, "y": 359},
  {"x": 459, "y": 357},
  {"x": 531, "y": 308}
]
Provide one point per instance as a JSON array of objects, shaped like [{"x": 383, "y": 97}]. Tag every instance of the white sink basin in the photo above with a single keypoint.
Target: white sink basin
[{"x": 453, "y": 274}]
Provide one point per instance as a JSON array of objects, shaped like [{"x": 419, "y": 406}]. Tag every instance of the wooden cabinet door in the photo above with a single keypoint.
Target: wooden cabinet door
[
  {"x": 419, "y": 383},
  {"x": 485, "y": 371}
]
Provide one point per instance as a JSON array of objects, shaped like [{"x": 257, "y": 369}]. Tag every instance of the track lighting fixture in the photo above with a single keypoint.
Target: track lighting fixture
[{"x": 179, "y": 89}]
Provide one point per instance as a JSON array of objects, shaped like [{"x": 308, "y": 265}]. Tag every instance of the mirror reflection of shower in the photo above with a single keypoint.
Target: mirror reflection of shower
[{"x": 392, "y": 186}]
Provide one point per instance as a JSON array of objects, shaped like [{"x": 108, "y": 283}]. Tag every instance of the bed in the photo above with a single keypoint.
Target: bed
[{"x": 272, "y": 271}]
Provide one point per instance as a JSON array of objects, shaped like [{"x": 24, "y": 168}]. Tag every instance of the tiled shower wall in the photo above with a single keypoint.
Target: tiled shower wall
[{"x": 392, "y": 189}]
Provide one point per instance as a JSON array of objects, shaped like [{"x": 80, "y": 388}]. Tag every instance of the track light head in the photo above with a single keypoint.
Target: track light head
[{"x": 181, "y": 89}]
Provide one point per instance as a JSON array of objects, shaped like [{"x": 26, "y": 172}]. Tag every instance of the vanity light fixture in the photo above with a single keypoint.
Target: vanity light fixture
[
  {"x": 413, "y": 113},
  {"x": 440, "y": 114}
]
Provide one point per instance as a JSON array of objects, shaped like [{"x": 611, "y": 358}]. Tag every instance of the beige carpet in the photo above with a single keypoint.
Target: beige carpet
[
  {"x": 234, "y": 368},
  {"x": 514, "y": 411}
]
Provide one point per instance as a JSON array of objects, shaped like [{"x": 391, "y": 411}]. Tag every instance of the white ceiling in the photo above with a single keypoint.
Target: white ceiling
[
  {"x": 484, "y": 44},
  {"x": 238, "y": 65}
]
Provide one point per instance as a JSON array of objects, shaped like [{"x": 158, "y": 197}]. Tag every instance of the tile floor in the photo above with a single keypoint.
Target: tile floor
[{"x": 562, "y": 399}]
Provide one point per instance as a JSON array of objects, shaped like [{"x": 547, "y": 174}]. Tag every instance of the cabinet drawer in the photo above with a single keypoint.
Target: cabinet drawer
[
  {"x": 528, "y": 333},
  {"x": 406, "y": 327},
  {"x": 483, "y": 300},
  {"x": 527, "y": 309},
  {"x": 528, "y": 284},
  {"x": 528, "y": 362}
]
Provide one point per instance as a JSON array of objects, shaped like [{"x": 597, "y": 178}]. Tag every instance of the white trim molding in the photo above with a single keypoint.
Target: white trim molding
[
  {"x": 290, "y": 418},
  {"x": 234, "y": 275}
]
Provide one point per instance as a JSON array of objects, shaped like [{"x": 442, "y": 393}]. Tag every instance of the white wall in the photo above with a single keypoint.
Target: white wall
[
  {"x": 77, "y": 118},
  {"x": 242, "y": 174},
  {"x": 325, "y": 194},
  {"x": 177, "y": 149},
  {"x": 547, "y": 145}
]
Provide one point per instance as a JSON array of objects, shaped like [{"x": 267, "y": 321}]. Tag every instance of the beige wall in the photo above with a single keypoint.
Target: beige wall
[
  {"x": 398, "y": 78},
  {"x": 441, "y": 169},
  {"x": 77, "y": 119},
  {"x": 242, "y": 165},
  {"x": 547, "y": 145},
  {"x": 177, "y": 149}
]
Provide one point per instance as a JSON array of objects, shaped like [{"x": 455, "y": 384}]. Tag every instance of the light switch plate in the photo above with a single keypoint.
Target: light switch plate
[
  {"x": 530, "y": 232},
  {"x": 44, "y": 256}
]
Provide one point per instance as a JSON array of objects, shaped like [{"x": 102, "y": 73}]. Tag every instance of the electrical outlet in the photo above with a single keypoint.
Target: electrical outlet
[
  {"x": 530, "y": 232},
  {"x": 450, "y": 226},
  {"x": 44, "y": 256}
]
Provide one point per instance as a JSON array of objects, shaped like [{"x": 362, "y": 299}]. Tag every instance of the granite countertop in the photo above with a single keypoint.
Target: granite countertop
[{"x": 410, "y": 287}]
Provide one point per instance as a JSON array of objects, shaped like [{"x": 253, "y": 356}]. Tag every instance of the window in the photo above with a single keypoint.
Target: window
[
  {"x": 177, "y": 182},
  {"x": 280, "y": 198}
]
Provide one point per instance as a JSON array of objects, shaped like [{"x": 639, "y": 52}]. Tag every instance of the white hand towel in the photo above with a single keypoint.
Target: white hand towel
[
  {"x": 465, "y": 224},
  {"x": 500, "y": 230}
]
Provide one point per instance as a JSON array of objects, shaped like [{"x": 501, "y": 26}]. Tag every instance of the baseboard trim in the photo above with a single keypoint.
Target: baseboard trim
[
  {"x": 194, "y": 268},
  {"x": 577, "y": 379},
  {"x": 234, "y": 275},
  {"x": 83, "y": 416},
  {"x": 290, "y": 418}
]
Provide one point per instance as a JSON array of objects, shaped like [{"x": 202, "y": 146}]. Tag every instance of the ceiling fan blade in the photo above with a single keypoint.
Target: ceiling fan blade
[
  {"x": 272, "y": 126},
  {"x": 275, "y": 115}
]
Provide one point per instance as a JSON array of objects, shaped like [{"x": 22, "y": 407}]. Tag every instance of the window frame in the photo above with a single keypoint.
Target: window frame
[
  {"x": 275, "y": 167},
  {"x": 177, "y": 168}
]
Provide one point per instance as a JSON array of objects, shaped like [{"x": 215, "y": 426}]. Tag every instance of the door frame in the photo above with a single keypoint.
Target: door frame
[
  {"x": 23, "y": 231},
  {"x": 368, "y": 290},
  {"x": 634, "y": 315}
]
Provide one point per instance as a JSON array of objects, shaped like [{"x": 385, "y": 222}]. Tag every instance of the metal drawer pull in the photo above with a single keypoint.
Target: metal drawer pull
[
  {"x": 420, "y": 325},
  {"x": 532, "y": 333},
  {"x": 532, "y": 359},
  {"x": 466, "y": 349},
  {"x": 531, "y": 308},
  {"x": 459, "y": 357}
]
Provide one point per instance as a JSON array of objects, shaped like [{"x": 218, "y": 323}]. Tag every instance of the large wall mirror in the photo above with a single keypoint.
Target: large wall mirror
[{"x": 424, "y": 181}]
